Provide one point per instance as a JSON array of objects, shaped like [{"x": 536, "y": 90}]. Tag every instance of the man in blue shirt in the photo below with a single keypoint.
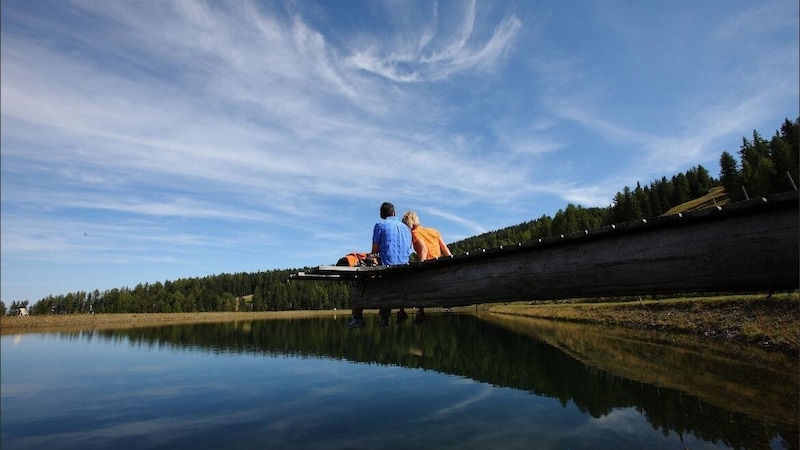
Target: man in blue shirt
[{"x": 391, "y": 240}]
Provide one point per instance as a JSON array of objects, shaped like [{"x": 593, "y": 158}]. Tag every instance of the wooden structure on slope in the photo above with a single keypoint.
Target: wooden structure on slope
[{"x": 749, "y": 246}]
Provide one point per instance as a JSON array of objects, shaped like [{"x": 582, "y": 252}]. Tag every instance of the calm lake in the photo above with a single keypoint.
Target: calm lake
[{"x": 455, "y": 381}]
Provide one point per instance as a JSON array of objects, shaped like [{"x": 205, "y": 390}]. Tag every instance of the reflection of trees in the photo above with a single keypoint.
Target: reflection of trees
[{"x": 466, "y": 346}]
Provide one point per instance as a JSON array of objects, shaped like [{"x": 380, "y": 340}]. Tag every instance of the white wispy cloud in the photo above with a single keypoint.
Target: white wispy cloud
[{"x": 428, "y": 52}]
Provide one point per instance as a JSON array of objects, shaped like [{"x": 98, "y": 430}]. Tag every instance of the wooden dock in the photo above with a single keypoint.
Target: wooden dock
[{"x": 749, "y": 246}]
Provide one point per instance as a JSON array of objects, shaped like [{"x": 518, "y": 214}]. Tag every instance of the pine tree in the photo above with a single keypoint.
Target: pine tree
[
  {"x": 730, "y": 177},
  {"x": 757, "y": 167}
]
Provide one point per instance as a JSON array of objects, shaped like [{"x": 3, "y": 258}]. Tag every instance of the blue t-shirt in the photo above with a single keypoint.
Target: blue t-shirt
[{"x": 394, "y": 241}]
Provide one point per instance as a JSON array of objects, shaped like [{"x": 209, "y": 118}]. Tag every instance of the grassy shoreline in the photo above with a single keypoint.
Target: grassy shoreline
[
  {"x": 772, "y": 323},
  {"x": 769, "y": 322},
  {"x": 76, "y": 322}
]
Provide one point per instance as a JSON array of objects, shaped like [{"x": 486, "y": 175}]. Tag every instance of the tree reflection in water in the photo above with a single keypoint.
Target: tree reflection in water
[
  {"x": 711, "y": 394},
  {"x": 741, "y": 396}
]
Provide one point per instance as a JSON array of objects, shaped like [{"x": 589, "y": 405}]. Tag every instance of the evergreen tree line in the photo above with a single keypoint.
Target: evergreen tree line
[
  {"x": 765, "y": 167},
  {"x": 642, "y": 202},
  {"x": 261, "y": 291}
]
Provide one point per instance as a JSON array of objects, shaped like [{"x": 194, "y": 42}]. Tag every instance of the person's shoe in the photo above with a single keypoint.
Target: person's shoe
[
  {"x": 383, "y": 322},
  {"x": 356, "y": 322},
  {"x": 419, "y": 317},
  {"x": 402, "y": 316}
]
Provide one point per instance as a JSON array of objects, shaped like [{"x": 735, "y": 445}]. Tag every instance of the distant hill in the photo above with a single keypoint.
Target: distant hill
[{"x": 715, "y": 197}]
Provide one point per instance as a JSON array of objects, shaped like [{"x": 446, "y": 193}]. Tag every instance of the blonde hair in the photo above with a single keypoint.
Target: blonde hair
[{"x": 411, "y": 219}]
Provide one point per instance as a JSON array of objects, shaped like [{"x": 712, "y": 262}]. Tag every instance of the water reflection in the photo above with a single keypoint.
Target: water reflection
[
  {"x": 686, "y": 387},
  {"x": 717, "y": 391}
]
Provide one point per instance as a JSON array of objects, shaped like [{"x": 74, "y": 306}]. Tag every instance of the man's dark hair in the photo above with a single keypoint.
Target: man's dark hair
[{"x": 387, "y": 209}]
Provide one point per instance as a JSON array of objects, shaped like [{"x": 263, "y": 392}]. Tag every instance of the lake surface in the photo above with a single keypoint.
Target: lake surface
[{"x": 456, "y": 381}]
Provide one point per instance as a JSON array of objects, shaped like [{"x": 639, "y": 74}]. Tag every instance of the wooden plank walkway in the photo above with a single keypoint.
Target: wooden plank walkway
[{"x": 749, "y": 246}]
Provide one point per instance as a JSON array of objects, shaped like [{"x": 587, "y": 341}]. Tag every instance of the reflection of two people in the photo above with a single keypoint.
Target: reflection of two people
[{"x": 393, "y": 241}]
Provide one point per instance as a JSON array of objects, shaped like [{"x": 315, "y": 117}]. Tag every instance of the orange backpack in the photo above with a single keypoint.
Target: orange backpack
[{"x": 359, "y": 259}]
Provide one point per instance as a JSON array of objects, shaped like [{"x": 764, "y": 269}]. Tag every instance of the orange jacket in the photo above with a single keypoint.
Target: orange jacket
[{"x": 430, "y": 237}]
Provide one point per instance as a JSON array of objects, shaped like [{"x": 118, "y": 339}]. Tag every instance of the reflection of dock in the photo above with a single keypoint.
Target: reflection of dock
[{"x": 749, "y": 246}]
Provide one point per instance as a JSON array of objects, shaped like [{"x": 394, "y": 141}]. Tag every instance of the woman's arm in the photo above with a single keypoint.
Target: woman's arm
[
  {"x": 421, "y": 249},
  {"x": 443, "y": 246}
]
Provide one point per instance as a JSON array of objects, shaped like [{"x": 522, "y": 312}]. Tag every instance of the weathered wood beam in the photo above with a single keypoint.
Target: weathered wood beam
[{"x": 749, "y": 247}]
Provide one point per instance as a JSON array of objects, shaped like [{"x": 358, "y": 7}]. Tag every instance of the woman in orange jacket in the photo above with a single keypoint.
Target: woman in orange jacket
[{"x": 428, "y": 244}]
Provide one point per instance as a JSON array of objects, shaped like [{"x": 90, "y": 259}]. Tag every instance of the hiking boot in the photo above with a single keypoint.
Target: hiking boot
[
  {"x": 402, "y": 316},
  {"x": 383, "y": 322},
  {"x": 356, "y": 322}
]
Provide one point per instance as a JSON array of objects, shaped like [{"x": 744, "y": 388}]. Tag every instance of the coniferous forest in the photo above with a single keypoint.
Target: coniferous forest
[{"x": 763, "y": 167}]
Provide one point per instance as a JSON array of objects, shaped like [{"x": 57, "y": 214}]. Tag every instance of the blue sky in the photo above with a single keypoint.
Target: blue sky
[{"x": 151, "y": 141}]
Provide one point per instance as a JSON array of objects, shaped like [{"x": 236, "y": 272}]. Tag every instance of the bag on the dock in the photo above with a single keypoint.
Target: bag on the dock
[{"x": 359, "y": 259}]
